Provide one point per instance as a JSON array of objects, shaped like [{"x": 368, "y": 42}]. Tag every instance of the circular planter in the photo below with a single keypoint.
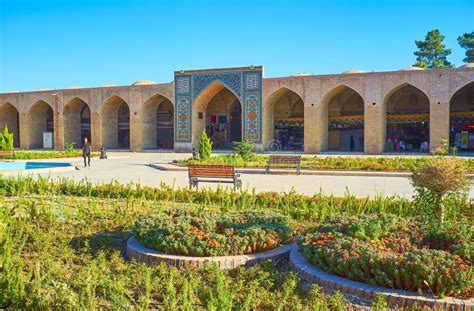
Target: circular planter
[
  {"x": 140, "y": 253},
  {"x": 399, "y": 298}
]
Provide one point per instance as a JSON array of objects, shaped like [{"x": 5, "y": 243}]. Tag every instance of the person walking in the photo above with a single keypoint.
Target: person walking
[
  {"x": 86, "y": 152},
  {"x": 352, "y": 143}
]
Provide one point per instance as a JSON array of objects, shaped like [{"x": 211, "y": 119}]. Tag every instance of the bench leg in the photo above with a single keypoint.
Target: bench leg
[
  {"x": 238, "y": 184},
  {"x": 193, "y": 183}
]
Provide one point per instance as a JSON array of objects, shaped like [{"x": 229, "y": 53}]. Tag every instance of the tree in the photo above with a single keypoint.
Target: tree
[
  {"x": 438, "y": 177},
  {"x": 466, "y": 41},
  {"x": 6, "y": 139},
  {"x": 432, "y": 52},
  {"x": 205, "y": 146}
]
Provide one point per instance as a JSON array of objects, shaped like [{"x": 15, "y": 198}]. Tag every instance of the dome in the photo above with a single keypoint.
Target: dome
[
  {"x": 72, "y": 87},
  {"x": 354, "y": 71},
  {"x": 411, "y": 68},
  {"x": 301, "y": 74},
  {"x": 468, "y": 65},
  {"x": 143, "y": 82}
]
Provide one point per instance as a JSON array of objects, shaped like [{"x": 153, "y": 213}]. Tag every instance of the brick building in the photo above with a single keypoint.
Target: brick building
[{"x": 406, "y": 110}]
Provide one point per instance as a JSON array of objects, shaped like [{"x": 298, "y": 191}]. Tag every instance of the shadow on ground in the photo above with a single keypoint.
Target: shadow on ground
[{"x": 106, "y": 242}]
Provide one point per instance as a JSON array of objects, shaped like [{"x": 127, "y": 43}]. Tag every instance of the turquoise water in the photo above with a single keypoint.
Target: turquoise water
[{"x": 20, "y": 166}]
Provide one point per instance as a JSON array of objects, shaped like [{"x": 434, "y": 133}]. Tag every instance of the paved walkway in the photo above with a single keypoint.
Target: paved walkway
[{"x": 133, "y": 167}]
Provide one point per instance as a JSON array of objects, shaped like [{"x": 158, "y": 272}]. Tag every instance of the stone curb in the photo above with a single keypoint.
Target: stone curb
[
  {"x": 140, "y": 253},
  {"x": 399, "y": 298}
]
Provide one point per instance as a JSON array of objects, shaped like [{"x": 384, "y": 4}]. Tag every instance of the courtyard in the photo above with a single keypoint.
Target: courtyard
[{"x": 126, "y": 167}]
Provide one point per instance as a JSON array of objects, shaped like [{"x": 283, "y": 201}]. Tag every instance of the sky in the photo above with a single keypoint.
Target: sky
[{"x": 54, "y": 44}]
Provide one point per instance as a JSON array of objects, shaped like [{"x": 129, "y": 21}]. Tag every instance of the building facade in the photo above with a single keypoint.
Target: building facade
[{"x": 372, "y": 112}]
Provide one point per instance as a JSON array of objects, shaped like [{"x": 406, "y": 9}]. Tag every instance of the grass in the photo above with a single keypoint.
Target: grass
[
  {"x": 64, "y": 252},
  {"x": 30, "y": 155},
  {"x": 328, "y": 163},
  {"x": 62, "y": 247}
]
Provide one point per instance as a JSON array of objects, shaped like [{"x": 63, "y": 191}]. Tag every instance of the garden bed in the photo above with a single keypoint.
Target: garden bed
[
  {"x": 396, "y": 253},
  {"x": 142, "y": 254},
  {"x": 207, "y": 234}
]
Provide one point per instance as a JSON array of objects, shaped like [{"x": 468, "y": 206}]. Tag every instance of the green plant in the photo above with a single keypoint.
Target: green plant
[
  {"x": 244, "y": 149},
  {"x": 6, "y": 139},
  {"x": 203, "y": 233},
  {"x": 379, "y": 303},
  {"x": 69, "y": 147},
  {"x": 66, "y": 252},
  {"x": 205, "y": 147},
  {"x": 403, "y": 254},
  {"x": 443, "y": 148},
  {"x": 330, "y": 162},
  {"x": 439, "y": 177}
]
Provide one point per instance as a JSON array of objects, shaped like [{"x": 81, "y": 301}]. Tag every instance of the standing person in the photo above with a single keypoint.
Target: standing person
[
  {"x": 86, "y": 152},
  {"x": 352, "y": 143}
]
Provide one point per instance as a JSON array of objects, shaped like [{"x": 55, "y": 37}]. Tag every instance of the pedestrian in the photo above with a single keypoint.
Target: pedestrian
[
  {"x": 352, "y": 143},
  {"x": 86, "y": 152}
]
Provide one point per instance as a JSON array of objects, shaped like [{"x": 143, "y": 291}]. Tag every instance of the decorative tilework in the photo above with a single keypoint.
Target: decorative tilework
[
  {"x": 183, "y": 85},
  {"x": 232, "y": 80},
  {"x": 183, "y": 102},
  {"x": 247, "y": 85},
  {"x": 252, "y": 81},
  {"x": 253, "y": 106}
]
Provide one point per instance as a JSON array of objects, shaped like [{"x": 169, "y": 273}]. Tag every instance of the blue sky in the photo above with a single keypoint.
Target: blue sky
[{"x": 55, "y": 44}]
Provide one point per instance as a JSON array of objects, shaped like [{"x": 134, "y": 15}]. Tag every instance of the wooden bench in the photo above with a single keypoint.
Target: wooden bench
[
  {"x": 282, "y": 161},
  {"x": 7, "y": 153},
  {"x": 213, "y": 173}
]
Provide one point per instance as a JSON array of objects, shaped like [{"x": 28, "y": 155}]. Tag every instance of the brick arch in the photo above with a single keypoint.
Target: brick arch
[
  {"x": 110, "y": 123},
  {"x": 458, "y": 88},
  {"x": 269, "y": 111},
  {"x": 150, "y": 127},
  {"x": 10, "y": 117},
  {"x": 200, "y": 105},
  {"x": 77, "y": 121},
  {"x": 398, "y": 87},
  {"x": 330, "y": 93},
  {"x": 277, "y": 92},
  {"x": 41, "y": 118},
  {"x": 206, "y": 95},
  {"x": 391, "y": 102},
  {"x": 394, "y": 86},
  {"x": 332, "y": 140}
]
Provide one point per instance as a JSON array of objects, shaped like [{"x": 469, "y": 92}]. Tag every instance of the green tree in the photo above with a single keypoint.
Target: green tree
[
  {"x": 466, "y": 41},
  {"x": 6, "y": 139},
  {"x": 432, "y": 53},
  {"x": 205, "y": 146}
]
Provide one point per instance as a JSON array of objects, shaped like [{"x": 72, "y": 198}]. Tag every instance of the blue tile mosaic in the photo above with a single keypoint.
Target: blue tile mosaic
[
  {"x": 232, "y": 80},
  {"x": 247, "y": 85}
]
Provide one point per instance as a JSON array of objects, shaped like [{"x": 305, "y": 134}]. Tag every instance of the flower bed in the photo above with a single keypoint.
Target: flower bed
[
  {"x": 362, "y": 163},
  {"x": 200, "y": 233},
  {"x": 394, "y": 252}
]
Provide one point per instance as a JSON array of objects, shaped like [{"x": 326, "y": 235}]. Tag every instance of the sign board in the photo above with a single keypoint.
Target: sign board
[{"x": 47, "y": 140}]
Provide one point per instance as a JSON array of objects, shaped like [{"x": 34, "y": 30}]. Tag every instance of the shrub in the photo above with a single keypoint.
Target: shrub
[
  {"x": 205, "y": 147},
  {"x": 438, "y": 177},
  {"x": 199, "y": 233},
  {"x": 244, "y": 149},
  {"x": 403, "y": 254},
  {"x": 6, "y": 139},
  {"x": 69, "y": 147}
]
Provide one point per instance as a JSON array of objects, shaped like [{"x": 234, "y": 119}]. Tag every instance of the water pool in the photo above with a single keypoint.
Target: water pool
[{"x": 22, "y": 166}]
